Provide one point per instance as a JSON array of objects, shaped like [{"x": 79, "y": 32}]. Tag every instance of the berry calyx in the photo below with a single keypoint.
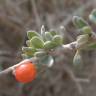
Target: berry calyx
[{"x": 25, "y": 72}]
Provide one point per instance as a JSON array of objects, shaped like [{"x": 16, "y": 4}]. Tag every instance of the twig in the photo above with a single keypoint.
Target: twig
[
  {"x": 10, "y": 69},
  {"x": 66, "y": 47}
]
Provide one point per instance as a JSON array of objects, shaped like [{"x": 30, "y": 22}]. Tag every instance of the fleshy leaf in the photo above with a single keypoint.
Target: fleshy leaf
[
  {"x": 31, "y": 34},
  {"x": 47, "y": 60},
  {"x": 77, "y": 60},
  {"x": 86, "y": 30},
  {"x": 48, "y": 36},
  {"x": 92, "y": 16},
  {"x": 58, "y": 40},
  {"x": 24, "y": 56},
  {"x": 82, "y": 40},
  {"x": 29, "y": 51},
  {"x": 79, "y": 22},
  {"x": 49, "y": 45},
  {"x": 37, "y": 42},
  {"x": 92, "y": 46},
  {"x": 40, "y": 54},
  {"x": 53, "y": 32}
]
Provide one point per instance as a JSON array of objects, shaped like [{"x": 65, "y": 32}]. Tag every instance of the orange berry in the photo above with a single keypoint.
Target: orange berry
[{"x": 25, "y": 72}]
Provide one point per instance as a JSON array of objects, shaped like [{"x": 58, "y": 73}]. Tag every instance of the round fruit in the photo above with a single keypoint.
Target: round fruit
[{"x": 25, "y": 72}]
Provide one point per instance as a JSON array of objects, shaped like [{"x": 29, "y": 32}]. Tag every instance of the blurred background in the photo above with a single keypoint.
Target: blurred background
[{"x": 19, "y": 16}]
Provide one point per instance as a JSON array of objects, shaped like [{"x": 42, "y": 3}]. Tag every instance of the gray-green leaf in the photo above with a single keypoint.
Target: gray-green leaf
[
  {"x": 49, "y": 45},
  {"x": 92, "y": 46},
  {"x": 53, "y": 32},
  {"x": 40, "y": 54},
  {"x": 29, "y": 50},
  {"x": 77, "y": 60},
  {"x": 47, "y": 60},
  {"x": 79, "y": 22},
  {"x": 37, "y": 42},
  {"x": 48, "y": 36},
  {"x": 31, "y": 34},
  {"x": 58, "y": 40},
  {"x": 92, "y": 16},
  {"x": 82, "y": 40},
  {"x": 86, "y": 30}
]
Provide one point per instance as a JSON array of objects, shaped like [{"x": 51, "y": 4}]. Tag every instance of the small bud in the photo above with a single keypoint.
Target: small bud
[
  {"x": 37, "y": 42},
  {"x": 79, "y": 22},
  {"x": 31, "y": 34}
]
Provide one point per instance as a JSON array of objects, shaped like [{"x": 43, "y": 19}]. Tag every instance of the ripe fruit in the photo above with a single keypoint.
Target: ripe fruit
[{"x": 25, "y": 72}]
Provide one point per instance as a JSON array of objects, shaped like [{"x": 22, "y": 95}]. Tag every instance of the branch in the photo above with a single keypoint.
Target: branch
[
  {"x": 11, "y": 69},
  {"x": 64, "y": 48}
]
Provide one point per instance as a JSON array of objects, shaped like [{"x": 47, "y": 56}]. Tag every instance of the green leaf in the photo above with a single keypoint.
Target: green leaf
[
  {"x": 77, "y": 60},
  {"x": 24, "y": 56},
  {"x": 58, "y": 40},
  {"x": 37, "y": 42},
  {"x": 92, "y": 46},
  {"x": 93, "y": 12},
  {"x": 49, "y": 45},
  {"x": 47, "y": 60},
  {"x": 79, "y": 22},
  {"x": 53, "y": 32},
  {"x": 82, "y": 40},
  {"x": 31, "y": 34},
  {"x": 92, "y": 18},
  {"x": 29, "y": 51},
  {"x": 86, "y": 30},
  {"x": 40, "y": 54},
  {"x": 48, "y": 36}
]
